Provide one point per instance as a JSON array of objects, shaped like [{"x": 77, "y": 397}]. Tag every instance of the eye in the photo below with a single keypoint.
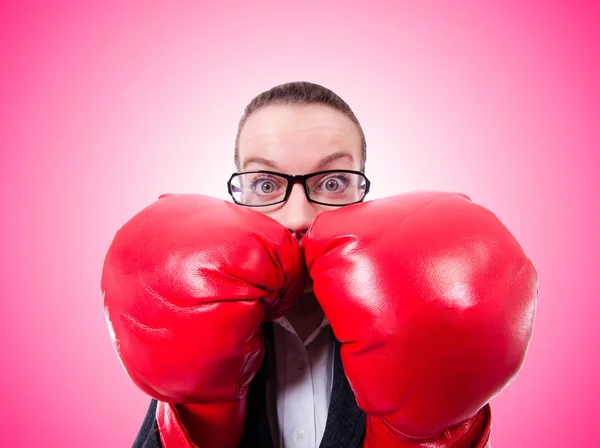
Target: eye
[
  {"x": 331, "y": 184},
  {"x": 265, "y": 186},
  {"x": 334, "y": 184}
]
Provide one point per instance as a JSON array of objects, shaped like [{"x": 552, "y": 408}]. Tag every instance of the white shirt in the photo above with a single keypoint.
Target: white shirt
[{"x": 304, "y": 377}]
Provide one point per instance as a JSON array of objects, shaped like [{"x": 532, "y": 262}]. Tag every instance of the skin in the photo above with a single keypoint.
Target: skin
[{"x": 299, "y": 139}]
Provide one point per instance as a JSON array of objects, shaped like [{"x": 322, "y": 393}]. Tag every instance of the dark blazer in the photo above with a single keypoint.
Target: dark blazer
[{"x": 345, "y": 427}]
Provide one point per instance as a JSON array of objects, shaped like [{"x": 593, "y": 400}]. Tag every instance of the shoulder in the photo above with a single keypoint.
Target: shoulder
[{"x": 148, "y": 436}]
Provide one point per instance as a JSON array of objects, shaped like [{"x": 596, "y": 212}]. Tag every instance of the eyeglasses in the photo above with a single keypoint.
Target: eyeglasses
[{"x": 333, "y": 187}]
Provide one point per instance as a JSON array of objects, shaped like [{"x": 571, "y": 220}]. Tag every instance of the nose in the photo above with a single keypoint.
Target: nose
[{"x": 298, "y": 213}]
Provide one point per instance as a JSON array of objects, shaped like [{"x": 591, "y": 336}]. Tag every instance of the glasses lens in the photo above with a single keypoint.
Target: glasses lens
[
  {"x": 337, "y": 188},
  {"x": 258, "y": 189}
]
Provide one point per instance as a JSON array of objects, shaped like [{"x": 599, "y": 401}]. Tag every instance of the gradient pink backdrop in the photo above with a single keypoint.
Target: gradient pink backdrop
[{"x": 105, "y": 106}]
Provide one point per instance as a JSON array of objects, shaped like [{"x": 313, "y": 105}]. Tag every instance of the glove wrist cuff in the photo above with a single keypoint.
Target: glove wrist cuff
[
  {"x": 201, "y": 425},
  {"x": 474, "y": 432}
]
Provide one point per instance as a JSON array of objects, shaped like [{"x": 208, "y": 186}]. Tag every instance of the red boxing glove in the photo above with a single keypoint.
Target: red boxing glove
[
  {"x": 433, "y": 300},
  {"x": 186, "y": 284}
]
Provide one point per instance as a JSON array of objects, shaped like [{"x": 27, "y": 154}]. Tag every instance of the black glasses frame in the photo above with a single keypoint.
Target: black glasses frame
[{"x": 294, "y": 179}]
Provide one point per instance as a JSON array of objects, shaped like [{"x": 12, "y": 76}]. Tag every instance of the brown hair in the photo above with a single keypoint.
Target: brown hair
[{"x": 299, "y": 93}]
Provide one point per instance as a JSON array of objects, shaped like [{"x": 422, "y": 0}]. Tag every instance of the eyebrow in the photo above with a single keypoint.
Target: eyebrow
[
  {"x": 323, "y": 162},
  {"x": 261, "y": 161}
]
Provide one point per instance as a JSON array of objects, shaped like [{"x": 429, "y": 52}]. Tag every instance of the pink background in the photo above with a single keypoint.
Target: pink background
[{"x": 105, "y": 107}]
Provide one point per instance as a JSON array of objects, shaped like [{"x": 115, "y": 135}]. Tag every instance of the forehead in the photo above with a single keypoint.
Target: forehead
[{"x": 298, "y": 135}]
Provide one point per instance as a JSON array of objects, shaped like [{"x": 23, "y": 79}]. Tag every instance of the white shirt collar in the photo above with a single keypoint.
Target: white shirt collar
[{"x": 285, "y": 324}]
